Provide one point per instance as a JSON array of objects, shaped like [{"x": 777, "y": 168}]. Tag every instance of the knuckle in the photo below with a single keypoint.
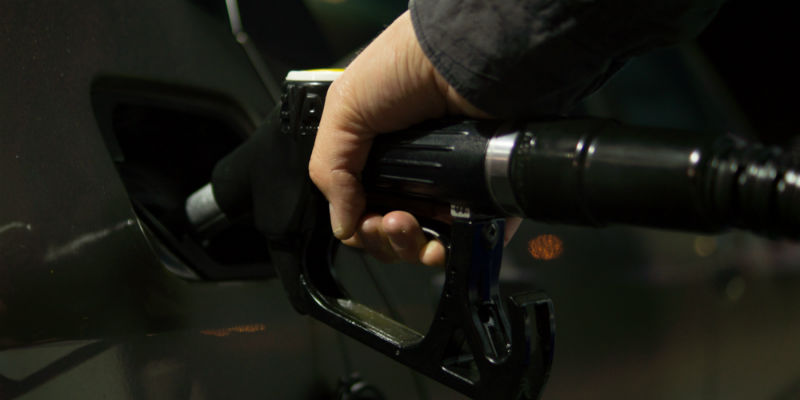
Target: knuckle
[
  {"x": 315, "y": 173},
  {"x": 342, "y": 177}
]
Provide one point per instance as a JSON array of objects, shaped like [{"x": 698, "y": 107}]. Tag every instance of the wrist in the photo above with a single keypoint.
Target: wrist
[{"x": 420, "y": 63}]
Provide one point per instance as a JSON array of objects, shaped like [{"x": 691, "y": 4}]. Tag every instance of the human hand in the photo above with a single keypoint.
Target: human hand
[{"x": 390, "y": 86}]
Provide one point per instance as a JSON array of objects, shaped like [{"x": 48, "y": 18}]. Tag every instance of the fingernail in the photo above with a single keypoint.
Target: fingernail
[
  {"x": 336, "y": 226},
  {"x": 429, "y": 250}
]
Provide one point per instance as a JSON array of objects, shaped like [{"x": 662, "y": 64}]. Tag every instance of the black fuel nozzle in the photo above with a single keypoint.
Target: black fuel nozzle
[
  {"x": 578, "y": 171},
  {"x": 481, "y": 344}
]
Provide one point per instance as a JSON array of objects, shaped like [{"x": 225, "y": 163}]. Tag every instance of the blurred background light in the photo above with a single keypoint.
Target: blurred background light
[{"x": 545, "y": 247}]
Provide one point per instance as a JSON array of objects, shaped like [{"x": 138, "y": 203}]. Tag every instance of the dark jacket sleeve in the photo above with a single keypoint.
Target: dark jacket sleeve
[{"x": 523, "y": 58}]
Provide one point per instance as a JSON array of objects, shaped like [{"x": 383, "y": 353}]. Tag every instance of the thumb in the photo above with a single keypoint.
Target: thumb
[{"x": 340, "y": 152}]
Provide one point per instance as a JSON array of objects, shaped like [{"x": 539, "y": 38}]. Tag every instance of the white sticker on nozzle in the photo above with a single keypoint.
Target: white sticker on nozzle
[{"x": 314, "y": 75}]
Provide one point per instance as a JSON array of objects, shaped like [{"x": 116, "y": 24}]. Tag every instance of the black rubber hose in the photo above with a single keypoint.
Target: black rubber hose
[{"x": 599, "y": 172}]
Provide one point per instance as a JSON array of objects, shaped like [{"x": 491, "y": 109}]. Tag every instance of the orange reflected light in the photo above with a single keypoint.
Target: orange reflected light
[
  {"x": 252, "y": 328},
  {"x": 545, "y": 247}
]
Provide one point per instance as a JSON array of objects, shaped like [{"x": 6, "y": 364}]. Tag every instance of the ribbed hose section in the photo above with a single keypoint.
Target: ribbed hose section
[{"x": 755, "y": 187}]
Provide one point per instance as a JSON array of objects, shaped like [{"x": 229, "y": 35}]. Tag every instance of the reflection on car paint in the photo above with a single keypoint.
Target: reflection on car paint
[{"x": 72, "y": 247}]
